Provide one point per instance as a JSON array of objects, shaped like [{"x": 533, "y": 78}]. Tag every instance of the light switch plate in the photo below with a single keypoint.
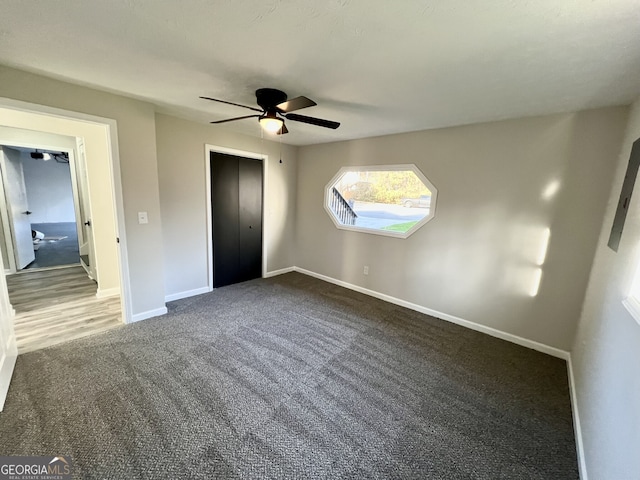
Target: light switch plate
[{"x": 143, "y": 218}]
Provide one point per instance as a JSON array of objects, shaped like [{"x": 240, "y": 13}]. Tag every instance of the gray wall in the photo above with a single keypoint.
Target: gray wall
[
  {"x": 138, "y": 164},
  {"x": 181, "y": 167},
  {"x": 477, "y": 259},
  {"x": 49, "y": 190},
  {"x": 606, "y": 351}
]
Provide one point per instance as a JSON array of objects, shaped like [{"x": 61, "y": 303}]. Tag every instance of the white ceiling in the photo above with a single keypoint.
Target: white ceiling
[{"x": 377, "y": 66}]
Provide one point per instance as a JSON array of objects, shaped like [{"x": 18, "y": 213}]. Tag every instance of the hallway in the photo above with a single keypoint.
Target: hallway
[{"x": 57, "y": 305}]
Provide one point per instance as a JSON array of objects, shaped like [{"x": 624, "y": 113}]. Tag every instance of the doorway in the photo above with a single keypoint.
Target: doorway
[
  {"x": 95, "y": 139},
  {"x": 111, "y": 269},
  {"x": 236, "y": 217},
  {"x": 43, "y": 209}
]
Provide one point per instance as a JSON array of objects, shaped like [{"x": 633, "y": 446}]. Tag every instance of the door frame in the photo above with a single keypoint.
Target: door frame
[
  {"x": 7, "y": 229},
  {"x": 109, "y": 127},
  {"x": 82, "y": 194},
  {"x": 208, "y": 148}
]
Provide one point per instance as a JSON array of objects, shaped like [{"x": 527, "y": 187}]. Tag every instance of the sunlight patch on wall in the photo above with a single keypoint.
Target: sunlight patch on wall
[
  {"x": 542, "y": 255},
  {"x": 544, "y": 246},
  {"x": 551, "y": 189},
  {"x": 537, "y": 280},
  {"x": 529, "y": 247}
]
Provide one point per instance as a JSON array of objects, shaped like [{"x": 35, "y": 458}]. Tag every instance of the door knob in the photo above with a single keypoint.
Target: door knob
[
  {"x": 27, "y": 212},
  {"x": 88, "y": 223}
]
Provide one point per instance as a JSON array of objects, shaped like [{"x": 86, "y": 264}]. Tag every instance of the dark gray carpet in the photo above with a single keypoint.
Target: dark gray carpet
[
  {"x": 291, "y": 377},
  {"x": 55, "y": 253}
]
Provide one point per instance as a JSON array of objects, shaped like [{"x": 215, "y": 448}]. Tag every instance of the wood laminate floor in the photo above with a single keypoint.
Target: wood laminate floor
[{"x": 54, "y": 306}]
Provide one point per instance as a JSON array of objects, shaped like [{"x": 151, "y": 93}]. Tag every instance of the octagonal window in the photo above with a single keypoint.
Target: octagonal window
[{"x": 392, "y": 200}]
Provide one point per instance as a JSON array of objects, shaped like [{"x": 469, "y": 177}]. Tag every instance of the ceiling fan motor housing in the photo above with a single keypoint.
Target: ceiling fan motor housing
[{"x": 268, "y": 98}]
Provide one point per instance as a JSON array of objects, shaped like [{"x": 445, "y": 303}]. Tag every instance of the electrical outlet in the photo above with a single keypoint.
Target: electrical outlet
[{"x": 366, "y": 270}]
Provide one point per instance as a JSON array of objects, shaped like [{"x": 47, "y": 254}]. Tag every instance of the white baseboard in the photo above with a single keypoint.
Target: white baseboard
[
  {"x": 148, "y": 314},
  {"x": 187, "y": 293},
  {"x": 7, "y": 363},
  {"x": 199, "y": 291},
  {"x": 282, "y": 271},
  {"x": 107, "y": 292},
  {"x": 540, "y": 347},
  {"x": 582, "y": 463}
]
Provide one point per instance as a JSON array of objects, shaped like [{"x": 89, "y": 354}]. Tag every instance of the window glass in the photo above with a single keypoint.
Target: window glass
[{"x": 386, "y": 200}]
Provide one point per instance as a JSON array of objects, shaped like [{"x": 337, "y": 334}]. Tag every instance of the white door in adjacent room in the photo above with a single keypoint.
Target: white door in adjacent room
[{"x": 15, "y": 195}]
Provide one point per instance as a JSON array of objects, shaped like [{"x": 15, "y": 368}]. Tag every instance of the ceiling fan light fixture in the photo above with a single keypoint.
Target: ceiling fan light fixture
[
  {"x": 271, "y": 123},
  {"x": 40, "y": 156}
]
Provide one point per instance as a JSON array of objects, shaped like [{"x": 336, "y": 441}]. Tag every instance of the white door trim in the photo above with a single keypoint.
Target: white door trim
[
  {"x": 208, "y": 148},
  {"x": 84, "y": 196},
  {"x": 111, "y": 133},
  {"x": 76, "y": 194}
]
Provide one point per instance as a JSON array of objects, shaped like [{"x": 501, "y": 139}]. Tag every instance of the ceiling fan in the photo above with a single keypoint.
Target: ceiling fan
[{"x": 275, "y": 108}]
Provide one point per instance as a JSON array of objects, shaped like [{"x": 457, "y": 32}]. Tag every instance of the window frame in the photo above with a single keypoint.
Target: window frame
[
  {"x": 632, "y": 301},
  {"x": 378, "y": 168}
]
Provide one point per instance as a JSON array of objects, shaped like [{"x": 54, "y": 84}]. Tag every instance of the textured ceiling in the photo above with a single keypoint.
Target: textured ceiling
[{"x": 378, "y": 66}]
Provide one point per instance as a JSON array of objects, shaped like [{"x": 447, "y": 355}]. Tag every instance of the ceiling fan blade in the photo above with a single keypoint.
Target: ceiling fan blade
[
  {"x": 231, "y": 103},
  {"x": 235, "y": 118},
  {"x": 312, "y": 120},
  {"x": 283, "y": 130},
  {"x": 295, "y": 104}
]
